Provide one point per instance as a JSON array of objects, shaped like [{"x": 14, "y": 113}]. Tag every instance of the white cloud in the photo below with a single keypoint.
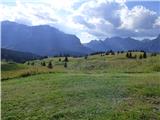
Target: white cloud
[
  {"x": 157, "y": 23},
  {"x": 88, "y": 19},
  {"x": 137, "y": 18},
  {"x": 81, "y": 20}
]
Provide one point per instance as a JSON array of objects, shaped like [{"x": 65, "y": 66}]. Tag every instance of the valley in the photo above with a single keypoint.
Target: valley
[{"x": 96, "y": 87}]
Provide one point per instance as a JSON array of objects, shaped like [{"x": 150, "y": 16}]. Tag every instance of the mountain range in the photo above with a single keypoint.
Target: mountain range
[
  {"x": 119, "y": 44},
  {"x": 45, "y": 40},
  {"x": 41, "y": 40}
]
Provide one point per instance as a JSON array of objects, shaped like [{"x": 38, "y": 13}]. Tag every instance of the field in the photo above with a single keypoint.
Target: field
[{"x": 109, "y": 87}]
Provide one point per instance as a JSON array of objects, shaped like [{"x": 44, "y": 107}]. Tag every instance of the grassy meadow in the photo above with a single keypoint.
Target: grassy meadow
[{"x": 101, "y": 87}]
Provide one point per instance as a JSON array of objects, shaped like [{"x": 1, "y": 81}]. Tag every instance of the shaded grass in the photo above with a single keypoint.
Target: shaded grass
[{"x": 11, "y": 66}]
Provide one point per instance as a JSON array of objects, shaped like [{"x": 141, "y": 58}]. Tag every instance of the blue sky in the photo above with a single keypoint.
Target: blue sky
[
  {"x": 88, "y": 19},
  {"x": 152, "y": 5}
]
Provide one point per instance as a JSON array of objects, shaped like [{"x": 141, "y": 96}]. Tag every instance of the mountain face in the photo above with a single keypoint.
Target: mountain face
[
  {"x": 16, "y": 56},
  {"x": 119, "y": 44},
  {"x": 153, "y": 45},
  {"x": 41, "y": 40},
  {"x": 47, "y": 41}
]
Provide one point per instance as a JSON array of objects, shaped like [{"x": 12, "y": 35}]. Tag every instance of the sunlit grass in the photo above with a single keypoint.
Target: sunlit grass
[
  {"x": 82, "y": 96},
  {"x": 110, "y": 87}
]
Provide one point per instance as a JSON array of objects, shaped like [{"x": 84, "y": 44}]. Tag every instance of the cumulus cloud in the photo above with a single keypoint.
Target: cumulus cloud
[
  {"x": 39, "y": 14},
  {"x": 81, "y": 20},
  {"x": 157, "y": 23},
  {"x": 105, "y": 10},
  {"x": 116, "y": 19},
  {"x": 89, "y": 19},
  {"x": 138, "y": 18}
]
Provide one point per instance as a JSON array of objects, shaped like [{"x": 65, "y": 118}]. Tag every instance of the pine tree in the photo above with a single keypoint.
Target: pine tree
[
  {"x": 107, "y": 53},
  {"x": 112, "y": 53},
  {"x": 65, "y": 64},
  {"x": 153, "y": 54},
  {"x": 140, "y": 56},
  {"x": 135, "y": 56},
  {"x": 127, "y": 55},
  {"x": 86, "y": 57},
  {"x": 28, "y": 63},
  {"x": 50, "y": 65},
  {"x": 32, "y": 63},
  {"x": 66, "y": 59},
  {"x": 144, "y": 55},
  {"x": 122, "y": 52},
  {"x": 43, "y": 63},
  {"x": 130, "y": 55}
]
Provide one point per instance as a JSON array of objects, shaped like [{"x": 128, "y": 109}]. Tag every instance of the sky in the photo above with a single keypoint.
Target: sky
[{"x": 88, "y": 19}]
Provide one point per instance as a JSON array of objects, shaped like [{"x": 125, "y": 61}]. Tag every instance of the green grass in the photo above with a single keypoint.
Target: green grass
[
  {"x": 94, "y": 64},
  {"x": 16, "y": 70},
  {"x": 82, "y": 96},
  {"x": 99, "y": 88}
]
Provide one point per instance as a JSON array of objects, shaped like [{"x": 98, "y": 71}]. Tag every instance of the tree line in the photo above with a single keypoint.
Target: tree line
[
  {"x": 129, "y": 55},
  {"x": 50, "y": 65}
]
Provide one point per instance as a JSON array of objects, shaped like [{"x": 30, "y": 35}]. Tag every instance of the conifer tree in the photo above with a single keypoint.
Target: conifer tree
[
  {"x": 32, "y": 63},
  {"x": 127, "y": 55},
  {"x": 43, "y": 63},
  {"x": 28, "y": 63},
  {"x": 50, "y": 65},
  {"x": 140, "y": 56},
  {"x": 135, "y": 56},
  {"x": 153, "y": 54},
  {"x": 65, "y": 64},
  {"x": 66, "y": 59},
  {"x": 130, "y": 55},
  {"x": 144, "y": 55},
  {"x": 86, "y": 57}
]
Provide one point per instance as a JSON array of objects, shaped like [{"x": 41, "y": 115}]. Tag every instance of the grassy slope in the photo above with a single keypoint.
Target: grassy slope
[
  {"x": 87, "y": 89},
  {"x": 17, "y": 56},
  {"x": 94, "y": 64},
  {"x": 14, "y": 70}
]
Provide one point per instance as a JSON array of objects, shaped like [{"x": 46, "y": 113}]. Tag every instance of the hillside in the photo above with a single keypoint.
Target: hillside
[
  {"x": 16, "y": 56},
  {"x": 41, "y": 40},
  {"x": 154, "y": 45},
  {"x": 117, "y": 63},
  {"x": 97, "y": 87}
]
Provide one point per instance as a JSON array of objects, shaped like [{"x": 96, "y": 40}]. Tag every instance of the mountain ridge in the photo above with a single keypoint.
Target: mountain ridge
[
  {"x": 128, "y": 43},
  {"x": 45, "y": 40},
  {"x": 41, "y": 40}
]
